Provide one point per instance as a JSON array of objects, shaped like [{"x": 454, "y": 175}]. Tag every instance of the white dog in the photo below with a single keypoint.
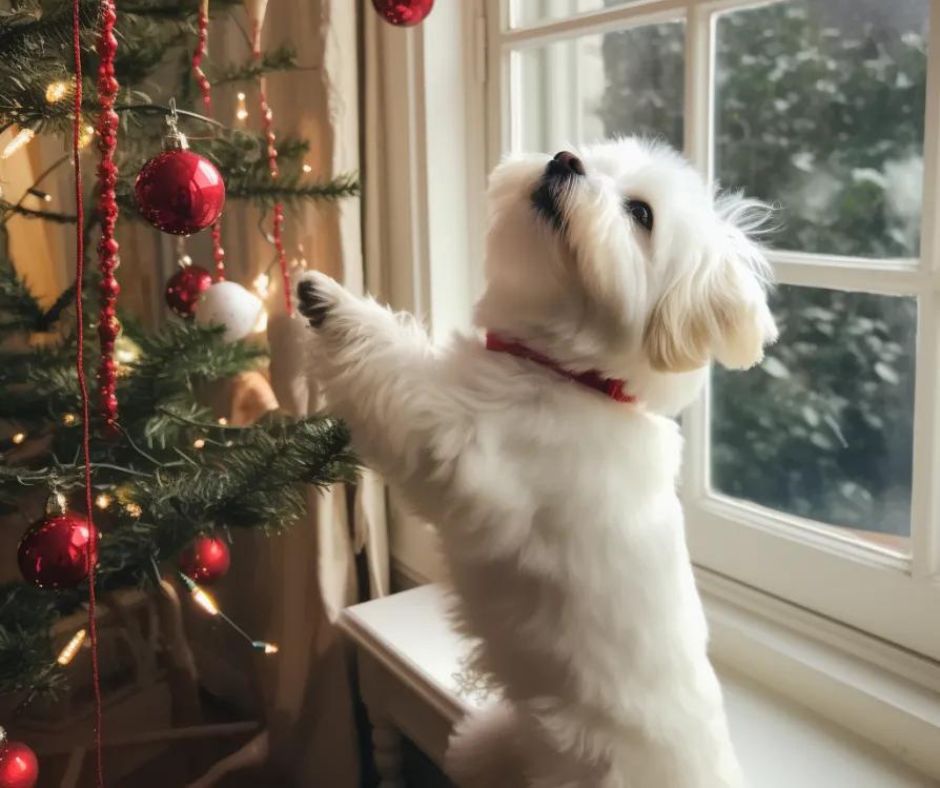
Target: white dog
[{"x": 546, "y": 458}]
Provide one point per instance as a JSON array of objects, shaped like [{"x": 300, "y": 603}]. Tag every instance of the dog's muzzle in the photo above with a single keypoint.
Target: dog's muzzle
[{"x": 559, "y": 174}]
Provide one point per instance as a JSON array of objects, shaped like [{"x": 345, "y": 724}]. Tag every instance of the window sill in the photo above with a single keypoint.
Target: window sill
[
  {"x": 882, "y": 693},
  {"x": 412, "y": 679}
]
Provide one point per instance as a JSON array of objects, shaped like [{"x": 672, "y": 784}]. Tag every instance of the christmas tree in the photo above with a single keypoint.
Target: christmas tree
[{"x": 167, "y": 471}]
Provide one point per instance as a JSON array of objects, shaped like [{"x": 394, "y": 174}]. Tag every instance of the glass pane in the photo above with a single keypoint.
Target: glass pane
[
  {"x": 600, "y": 85},
  {"x": 530, "y": 12},
  {"x": 820, "y": 110},
  {"x": 823, "y": 428}
]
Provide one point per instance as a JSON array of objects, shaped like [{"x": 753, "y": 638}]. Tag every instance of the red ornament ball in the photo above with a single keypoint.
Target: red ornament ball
[
  {"x": 19, "y": 767},
  {"x": 403, "y": 13},
  {"x": 180, "y": 192},
  {"x": 185, "y": 287},
  {"x": 53, "y": 552},
  {"x": 206, "y": 559}
]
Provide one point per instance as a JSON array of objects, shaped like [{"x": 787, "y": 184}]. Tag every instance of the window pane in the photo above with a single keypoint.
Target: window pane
[
  {"x": 823, "y": 428},
  {"x": 530, "y": 12},
  {"x": 597, "y": 86},
  {"x": 820, "y": 110}
]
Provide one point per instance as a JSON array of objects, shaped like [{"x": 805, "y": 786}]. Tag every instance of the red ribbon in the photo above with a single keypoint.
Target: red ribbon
[
  {"x": 205, "y": 89},
  {"x": 92, "y": 547}
]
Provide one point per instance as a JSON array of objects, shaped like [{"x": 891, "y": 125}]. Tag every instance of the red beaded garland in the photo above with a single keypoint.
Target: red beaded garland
[
  {"x": 108, "y": 326},
  {"x": 205, "y": 89},
  {"x": 218, "y": 252},
  {"x": 202, "y": 39},
  {"x": 267, "y": 125}
]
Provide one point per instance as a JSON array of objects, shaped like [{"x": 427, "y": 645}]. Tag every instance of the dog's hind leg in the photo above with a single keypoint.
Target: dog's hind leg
[
  {"x": 499, "y": 747},
  {"x": 485, "y": 750}
]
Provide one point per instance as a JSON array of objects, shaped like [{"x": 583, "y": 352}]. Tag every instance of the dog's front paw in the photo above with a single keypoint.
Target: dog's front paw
[{"x": 317, "y": 295}]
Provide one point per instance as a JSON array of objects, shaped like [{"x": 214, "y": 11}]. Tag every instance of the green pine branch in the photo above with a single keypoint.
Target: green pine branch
[
  {"x": 31, "y": 29},
  {"x": 282, "y": 58},
  {"x": 19, "y": 309},
  {"x": 251, "y": 484},
  {"x": 186, "y": 472},
  {"x": 294, "y": 189},
  {"x": 26, "y": 659},
  {"x": 7, "y": 208}
]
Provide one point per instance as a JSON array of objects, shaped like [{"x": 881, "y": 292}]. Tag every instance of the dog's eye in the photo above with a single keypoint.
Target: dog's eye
[{"x": 640, "y": 212}]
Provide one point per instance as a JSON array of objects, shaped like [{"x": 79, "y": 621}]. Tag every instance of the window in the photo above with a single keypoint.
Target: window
[{"x": 813, "y": 476}]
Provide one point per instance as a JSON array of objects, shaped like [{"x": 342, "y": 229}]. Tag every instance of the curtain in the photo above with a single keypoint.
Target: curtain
[
  {"x": 311, "y": 720},
  {"x": 294, "y": 586}
]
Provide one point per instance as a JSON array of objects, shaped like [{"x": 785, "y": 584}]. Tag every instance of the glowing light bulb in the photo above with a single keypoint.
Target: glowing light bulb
[
  {"x": 205, "y": 601},
  {"x": 126, "y": 350},
  {"x": 68, "y": 419},
  {"x": 56, "y": 91},
  {"x": 133, "y": 509},
  {"x": 86, "y": 136},
  {"x": 21, "y": 139},
  {"x": 67, "y": 654},
  {"x": 307, "y": 168},
  {"x": 241, "y": 112},
  {"x": 103, "y": 501},
  {"x": 199, "y": 443},
  {"x": 222, "y": 421},
  {"x": 18, "y": 438},
  {"x": 262, "y": 285}
]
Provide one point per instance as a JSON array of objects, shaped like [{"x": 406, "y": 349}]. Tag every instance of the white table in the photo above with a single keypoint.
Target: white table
[{"x": 411, "y": 675}]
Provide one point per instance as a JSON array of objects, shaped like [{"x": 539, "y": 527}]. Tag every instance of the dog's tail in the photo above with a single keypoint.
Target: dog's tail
[{"x": 485, "y": 750}]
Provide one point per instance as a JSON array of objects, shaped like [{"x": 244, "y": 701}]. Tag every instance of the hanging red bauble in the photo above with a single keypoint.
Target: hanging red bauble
[
  {"x": 53, "y": 553},
  {"x": 185, "y": 288},
  {"x": 180, "y": 192},
  {"x": 19, "y": 767},
  {"x": 206, "y": 559},
  {"x": 403, "y": 13}
]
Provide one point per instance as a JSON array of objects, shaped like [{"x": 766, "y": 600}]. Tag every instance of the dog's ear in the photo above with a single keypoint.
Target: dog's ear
[{"x": 718, "y": 310}]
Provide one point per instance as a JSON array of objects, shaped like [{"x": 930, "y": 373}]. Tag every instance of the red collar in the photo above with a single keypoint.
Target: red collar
[{"x": 611, "y": 387}]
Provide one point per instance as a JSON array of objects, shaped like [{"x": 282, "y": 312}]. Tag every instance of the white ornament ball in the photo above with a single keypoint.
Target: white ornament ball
[{"x": 230, "y": 305}]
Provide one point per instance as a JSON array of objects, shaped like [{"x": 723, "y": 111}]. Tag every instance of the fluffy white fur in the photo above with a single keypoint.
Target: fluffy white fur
[{"x": 556, "y": 506}]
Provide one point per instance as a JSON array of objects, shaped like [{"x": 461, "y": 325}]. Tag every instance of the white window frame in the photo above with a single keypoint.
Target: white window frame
[
  {"x": 864, "y": 649},
  {"x": 822, "y": 569}
]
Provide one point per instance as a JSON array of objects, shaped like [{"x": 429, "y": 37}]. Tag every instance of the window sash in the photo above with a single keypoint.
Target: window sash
[{"x": 812, "y": 565}]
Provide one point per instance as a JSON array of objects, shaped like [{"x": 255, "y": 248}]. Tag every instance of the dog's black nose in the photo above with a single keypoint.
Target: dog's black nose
[{"x": 566, "y": 164}]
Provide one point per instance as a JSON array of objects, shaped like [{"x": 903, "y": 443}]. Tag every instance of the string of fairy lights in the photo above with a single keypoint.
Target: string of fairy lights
[
  {"x": 201, "y": 597},
  {"x": 58, "y": 91}
]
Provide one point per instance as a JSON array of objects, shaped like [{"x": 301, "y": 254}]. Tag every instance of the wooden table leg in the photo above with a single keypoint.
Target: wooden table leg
[{"x": 386, "y": 748}]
